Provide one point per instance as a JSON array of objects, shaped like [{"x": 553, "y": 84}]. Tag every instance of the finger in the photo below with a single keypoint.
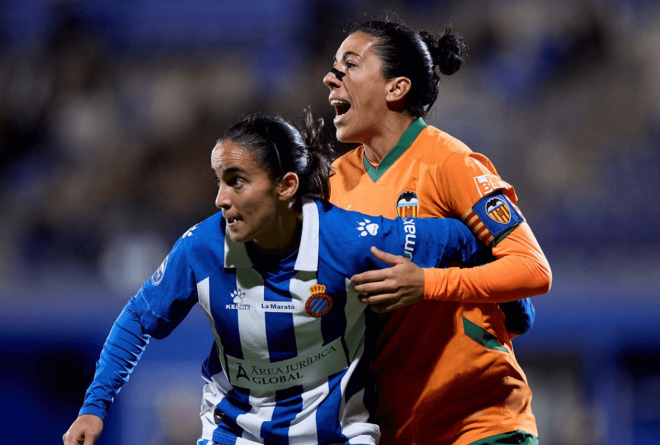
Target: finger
[
  {"x": 387, "y": 258},
  {"x": 71, "y": 439},
  {"x": 67, "y": 439},
  {"x": 375, "y": 288},
  {"x": 376, "y": 300},
  {"x": 370, "y": 276}
]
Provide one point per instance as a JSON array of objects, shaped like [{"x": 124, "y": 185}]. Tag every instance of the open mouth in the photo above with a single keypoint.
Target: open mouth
[
  {"x": 231, "y": 221},
  {"x": 341, "y": 106}
]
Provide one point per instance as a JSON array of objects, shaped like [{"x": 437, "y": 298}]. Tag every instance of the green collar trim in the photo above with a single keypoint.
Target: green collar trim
[{"x": 407, "y": 138}]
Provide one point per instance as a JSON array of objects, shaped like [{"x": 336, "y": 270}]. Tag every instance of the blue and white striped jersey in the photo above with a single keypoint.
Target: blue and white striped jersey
[{"x": 285, "y": 366}]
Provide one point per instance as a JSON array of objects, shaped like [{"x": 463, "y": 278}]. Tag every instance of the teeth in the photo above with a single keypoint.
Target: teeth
[{"x": 341, "y": 106}]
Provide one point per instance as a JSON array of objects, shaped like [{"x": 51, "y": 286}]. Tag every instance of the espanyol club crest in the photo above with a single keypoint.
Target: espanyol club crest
[
  {"x": 319, "y": 303},
  {"x": 498, "y": 210},
  {"x": 407, "y": 204}
]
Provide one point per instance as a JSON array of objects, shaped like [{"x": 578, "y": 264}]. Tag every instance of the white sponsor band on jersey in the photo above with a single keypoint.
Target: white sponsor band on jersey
[
  {"x": 277, "y": 307},
  {"x": 310, "y": 368},
  {"x": 409, "y": 245}
]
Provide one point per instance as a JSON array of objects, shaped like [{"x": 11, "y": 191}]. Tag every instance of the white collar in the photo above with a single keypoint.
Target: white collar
[{"x": 308, "y": 252}]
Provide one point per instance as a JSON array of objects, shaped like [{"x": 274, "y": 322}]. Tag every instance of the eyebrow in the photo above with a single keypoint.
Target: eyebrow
[
  {"x": 229, "y": 171},
  {"x": 345, "y": 55}
]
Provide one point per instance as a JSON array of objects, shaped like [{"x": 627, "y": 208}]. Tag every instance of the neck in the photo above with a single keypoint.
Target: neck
[
  {"x": 388, "y": 133},
  {"x": 283, "y": 240}
]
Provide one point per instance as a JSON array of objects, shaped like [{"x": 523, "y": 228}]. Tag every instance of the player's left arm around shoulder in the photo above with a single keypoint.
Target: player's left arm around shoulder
[
  {"x": 487, "y": 205},
  {"x": 520, "y": 270}
]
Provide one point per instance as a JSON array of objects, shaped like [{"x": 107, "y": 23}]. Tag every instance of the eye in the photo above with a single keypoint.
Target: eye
[
  {"x": 350, "y": 65},
  {"x": 236, "y": 182}
]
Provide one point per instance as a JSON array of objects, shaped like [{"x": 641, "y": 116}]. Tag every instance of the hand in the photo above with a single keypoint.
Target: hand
[
  {"x": 84, "y": 431},
  {"x": 390, "y": 288}
]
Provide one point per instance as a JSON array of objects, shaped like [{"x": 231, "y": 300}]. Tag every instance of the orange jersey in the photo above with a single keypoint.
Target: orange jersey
[{"x": 446, "y": 370}]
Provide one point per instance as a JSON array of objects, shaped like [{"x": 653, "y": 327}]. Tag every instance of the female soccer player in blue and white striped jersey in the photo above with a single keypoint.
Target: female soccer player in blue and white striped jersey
[{"x": 272, "y": 273}]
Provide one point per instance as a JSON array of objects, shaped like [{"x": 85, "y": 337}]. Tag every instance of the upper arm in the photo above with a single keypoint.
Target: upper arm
[
  {"x": 430, "y": 242},
  {"x": 469, "y": 181},
  {"x": 169, "y": 295}
]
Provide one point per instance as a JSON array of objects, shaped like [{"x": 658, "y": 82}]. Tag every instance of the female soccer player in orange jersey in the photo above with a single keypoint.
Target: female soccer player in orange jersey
[{"x": 445, "y": 366}]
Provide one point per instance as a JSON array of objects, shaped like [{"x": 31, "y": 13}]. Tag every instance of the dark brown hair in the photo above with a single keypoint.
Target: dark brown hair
[
  {"x": 281, "y": 147},
  {"x": 406, "y": 53}
]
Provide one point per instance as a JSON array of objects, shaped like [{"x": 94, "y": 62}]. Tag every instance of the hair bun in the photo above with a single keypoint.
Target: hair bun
[{"x": 447, "y": 52}]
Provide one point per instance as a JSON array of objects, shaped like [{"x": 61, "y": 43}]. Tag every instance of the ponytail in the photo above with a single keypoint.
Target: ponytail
[
  {"x": 320, "y": 156},
  {"x": 447, "y": 52}
]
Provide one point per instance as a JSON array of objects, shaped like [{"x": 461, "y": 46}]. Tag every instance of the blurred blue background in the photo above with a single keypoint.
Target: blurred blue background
[{"x": 108, "y": 115}]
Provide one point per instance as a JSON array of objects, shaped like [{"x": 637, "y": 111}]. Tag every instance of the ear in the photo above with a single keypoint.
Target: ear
[
  {"x": 397, "y": 89},
  {"x": 288, "y": 186}
]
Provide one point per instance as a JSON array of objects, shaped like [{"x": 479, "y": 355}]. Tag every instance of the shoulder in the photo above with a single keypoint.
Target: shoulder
[
  {"x": 209, "y": 232},
  {"x": 441, "y": 145},
  {"x": 452, "y": 149},
  {"x": 345, "y": 233},
  {"x": 349, "y": 161},
  {"x": 347, "y": 172},
  {"x": 211, "y": 226},
  {"x": 350, "y": 157},
  {"x": 444, "y": 147},
  {"x": 332, "y": 219}
]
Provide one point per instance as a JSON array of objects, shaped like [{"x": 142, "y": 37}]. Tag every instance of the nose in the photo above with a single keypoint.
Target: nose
[
  {"x": 331, "y": 81},
  {"x": 222, "y": 200}
]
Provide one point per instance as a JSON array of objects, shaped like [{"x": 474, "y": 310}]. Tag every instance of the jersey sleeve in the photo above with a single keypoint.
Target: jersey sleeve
[
  {"x": 167, "y": 298},
  {"x": 158, "y": 307},
  {"x": 121, "y": 352},
  {"x": 520, "y": 315},
  {"x": 520, "y": 270},
  {"x": 469, "y": 181},
  {"x": 427, "y": 242},
  {"x": 466, "y": 178}
]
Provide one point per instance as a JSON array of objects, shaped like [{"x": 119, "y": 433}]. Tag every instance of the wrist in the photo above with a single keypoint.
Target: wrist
[
  {"x": 94, "y": 411},
  {"x": 434, "y": 283}
]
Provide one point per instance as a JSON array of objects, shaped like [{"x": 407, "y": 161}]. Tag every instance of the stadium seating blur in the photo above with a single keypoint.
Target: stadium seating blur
[{"x": 110, "y": 111}]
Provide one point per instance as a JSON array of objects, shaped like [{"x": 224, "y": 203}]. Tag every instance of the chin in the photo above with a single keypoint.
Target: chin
[
  {"x": 343, "y": 135},
  {"x": 237, "y": 238}
]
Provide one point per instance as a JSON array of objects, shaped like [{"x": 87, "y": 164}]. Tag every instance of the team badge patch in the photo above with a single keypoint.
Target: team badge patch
[
  {"x": 498, "y": 210},
  {"x": 407, "y": 204},
  {"x": 319, "y": 303},
  {"x": 492, "y": 218},
  {"x": 160, "y": 273}
]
